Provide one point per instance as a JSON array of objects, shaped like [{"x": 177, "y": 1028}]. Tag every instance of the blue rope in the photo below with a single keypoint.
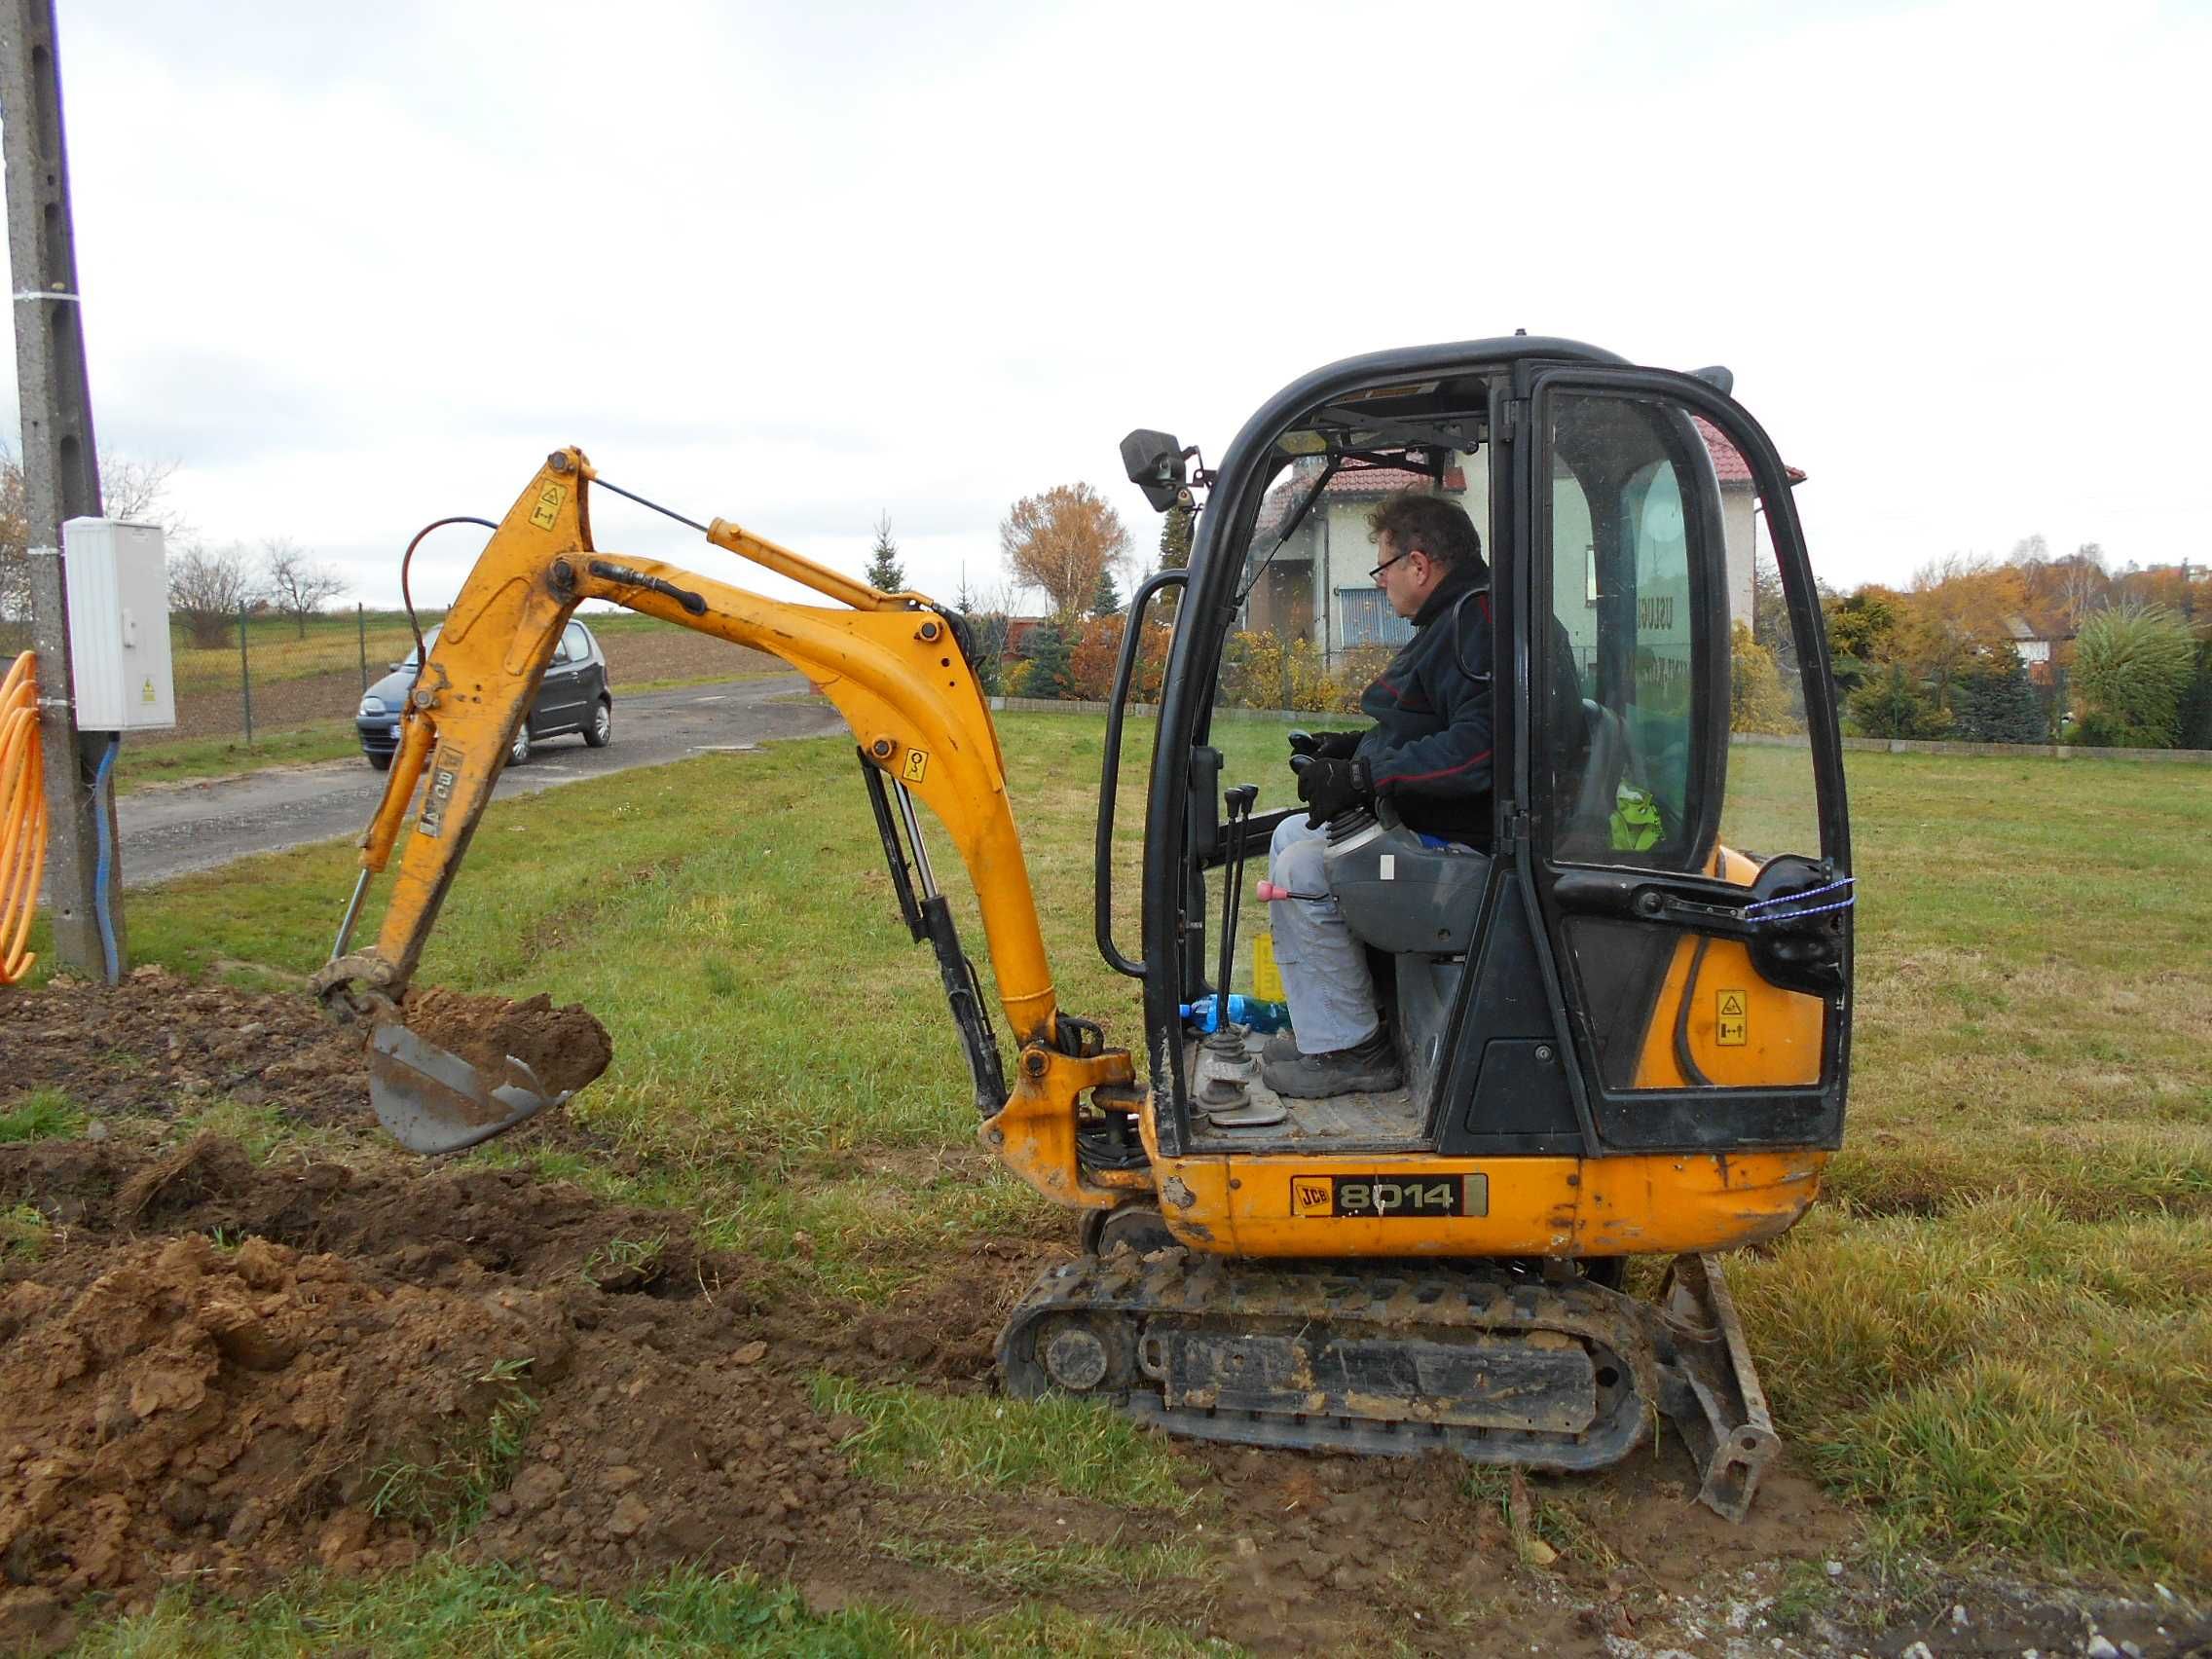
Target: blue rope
[
  {"x": 1809, "y": 893},
  {"x": 103, "y": 907},
  {"x": 1793, "y": 915}
]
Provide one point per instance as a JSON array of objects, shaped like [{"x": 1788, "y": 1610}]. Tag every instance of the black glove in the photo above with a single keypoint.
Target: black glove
[
  {"x": 1331, "y": 787},
  {"x": 1326, "y": 745}
]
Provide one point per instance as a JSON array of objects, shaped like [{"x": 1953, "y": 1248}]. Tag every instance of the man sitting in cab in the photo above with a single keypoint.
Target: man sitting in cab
[{"x": 1428, "y": 751}]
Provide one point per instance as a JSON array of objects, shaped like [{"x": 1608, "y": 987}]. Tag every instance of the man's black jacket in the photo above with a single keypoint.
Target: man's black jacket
[{"x": 1431, "y": 746}]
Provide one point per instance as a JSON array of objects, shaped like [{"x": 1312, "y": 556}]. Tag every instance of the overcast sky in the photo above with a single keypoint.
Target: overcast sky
[{"x": 355, "y": 268}]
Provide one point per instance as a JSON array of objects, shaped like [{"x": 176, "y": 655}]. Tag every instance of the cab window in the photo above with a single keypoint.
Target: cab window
[{"x": 1629, "y": 592}]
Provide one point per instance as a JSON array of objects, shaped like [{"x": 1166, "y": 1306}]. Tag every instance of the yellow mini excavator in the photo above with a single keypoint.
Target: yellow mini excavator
[{"x": 1624, "y": 1025}]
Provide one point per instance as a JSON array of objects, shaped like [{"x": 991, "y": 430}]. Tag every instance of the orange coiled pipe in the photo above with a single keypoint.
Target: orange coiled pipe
[{"x": 22, "y": 814}]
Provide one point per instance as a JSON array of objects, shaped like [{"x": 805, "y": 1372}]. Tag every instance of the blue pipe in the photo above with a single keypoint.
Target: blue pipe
[{"x": 102, "y": 907}]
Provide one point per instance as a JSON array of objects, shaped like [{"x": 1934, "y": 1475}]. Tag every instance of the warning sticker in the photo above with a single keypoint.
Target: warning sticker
[
  {"x": 917, "y": 764},
  {"x": 1733, "y": 1023},
  {"x": 549, "y": 510}
]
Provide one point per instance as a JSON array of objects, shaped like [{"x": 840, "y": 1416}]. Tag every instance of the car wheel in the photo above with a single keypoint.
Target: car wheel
[
  {"x": 601, "y": 732},
  {"x": 518, "y": 747},
  {"x": 382, "y": 763}
]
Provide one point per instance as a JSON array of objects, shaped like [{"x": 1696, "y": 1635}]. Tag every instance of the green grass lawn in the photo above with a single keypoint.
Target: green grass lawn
[{"x": 1994, "y": 1336}]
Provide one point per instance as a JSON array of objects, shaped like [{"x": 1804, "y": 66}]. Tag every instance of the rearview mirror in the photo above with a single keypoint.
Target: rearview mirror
[{"x": 1153, "y": 462}]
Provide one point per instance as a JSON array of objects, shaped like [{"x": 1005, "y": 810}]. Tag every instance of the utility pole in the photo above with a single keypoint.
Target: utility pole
[{"x": 61, "y": 473}]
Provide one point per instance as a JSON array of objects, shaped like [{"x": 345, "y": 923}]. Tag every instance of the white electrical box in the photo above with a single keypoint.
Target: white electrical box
[{"x": 119, "y": 625}]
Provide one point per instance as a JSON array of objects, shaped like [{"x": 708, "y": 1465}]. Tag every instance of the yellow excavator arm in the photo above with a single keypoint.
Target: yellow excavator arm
[{"x": 895, "y": 669}]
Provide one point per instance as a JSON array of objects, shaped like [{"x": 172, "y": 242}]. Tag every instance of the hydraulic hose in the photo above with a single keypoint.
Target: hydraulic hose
[{"x": 22, "y": 814}]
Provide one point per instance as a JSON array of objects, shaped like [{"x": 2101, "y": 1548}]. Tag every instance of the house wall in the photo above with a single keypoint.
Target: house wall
[
  {"x": 1737, "y": 502},
  {"x": 1345, "y": 554}
]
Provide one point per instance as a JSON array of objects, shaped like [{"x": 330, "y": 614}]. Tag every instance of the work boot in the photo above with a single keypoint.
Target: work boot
[
  {"x": 1279, "y": 1046},
  {"x": 1364, "y": 1068}
]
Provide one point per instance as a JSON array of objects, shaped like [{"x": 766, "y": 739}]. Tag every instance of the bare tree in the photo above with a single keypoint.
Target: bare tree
[
  {"x": 138, "y": 490},
  {"x": 135, "y": 490},
  {"x": 208, "y": 588},
  {"x": 1062, "y": 541},
  {"x": 294, "y": 582}
]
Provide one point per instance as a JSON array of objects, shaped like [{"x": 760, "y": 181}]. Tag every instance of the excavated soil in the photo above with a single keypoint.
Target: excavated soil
[
  {"x": 216, "y": 1374},
  {"x": 564, "y": 1046},
  {"x": 157, "y": 1045}
]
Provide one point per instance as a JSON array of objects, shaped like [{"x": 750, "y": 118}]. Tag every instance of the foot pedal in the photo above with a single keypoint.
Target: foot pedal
[
  {"x": 1223, "y": 1093},
  {"x": 1258, "y": 1116}
]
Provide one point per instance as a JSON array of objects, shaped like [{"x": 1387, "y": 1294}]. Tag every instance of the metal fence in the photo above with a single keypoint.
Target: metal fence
[{"x": 252, "y": 676}]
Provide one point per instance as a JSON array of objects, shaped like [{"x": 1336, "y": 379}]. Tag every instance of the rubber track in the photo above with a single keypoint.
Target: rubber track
[{"x": 1382, "y": 1302}]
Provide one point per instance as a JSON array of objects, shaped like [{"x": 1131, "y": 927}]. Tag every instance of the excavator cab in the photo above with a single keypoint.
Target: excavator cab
[
  {"x": 1651, "y": 955},
  {"x": 1623, "y": 1014}
]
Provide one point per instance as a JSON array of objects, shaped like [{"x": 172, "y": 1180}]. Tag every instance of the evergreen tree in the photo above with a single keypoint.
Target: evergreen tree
[
  {"x": 1891, "y": 705},
  {"x": 1050, "y": 669},
  {"x": 1176, "y": 527},
  {"x": 1107, "y": 600},
  {"x": 884, "y": 570},
  {"x": 2195, "y": 722},
  {"x": 1995, "y": 702}
]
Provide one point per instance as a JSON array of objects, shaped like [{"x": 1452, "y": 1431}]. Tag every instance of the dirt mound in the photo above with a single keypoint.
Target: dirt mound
[
  {"x": 571, "y": 1388},
  {"x": 564, "y": 1046},
  {"x": 157, "y": 1044},
  {"x": 166, "y": 1416}
]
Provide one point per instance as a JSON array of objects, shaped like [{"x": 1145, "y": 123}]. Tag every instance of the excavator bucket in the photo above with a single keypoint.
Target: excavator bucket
[
  {"x": 448, "y": 1071},
  {"x": 431, "y": 1100}
]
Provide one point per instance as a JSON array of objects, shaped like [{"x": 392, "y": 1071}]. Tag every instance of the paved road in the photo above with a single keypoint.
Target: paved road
[{"x": 175, "y": 828}]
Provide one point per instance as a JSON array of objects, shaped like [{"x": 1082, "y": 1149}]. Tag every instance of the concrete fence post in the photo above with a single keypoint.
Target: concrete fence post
[{"x": 245, "y": 679}]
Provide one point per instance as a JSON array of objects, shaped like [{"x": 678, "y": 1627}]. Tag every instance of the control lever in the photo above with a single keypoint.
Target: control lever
[{"x": 1240, "y": 801}]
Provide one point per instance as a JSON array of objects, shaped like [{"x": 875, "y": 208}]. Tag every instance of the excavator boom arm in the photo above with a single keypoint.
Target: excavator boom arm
[{"x": 891, "y": 664}]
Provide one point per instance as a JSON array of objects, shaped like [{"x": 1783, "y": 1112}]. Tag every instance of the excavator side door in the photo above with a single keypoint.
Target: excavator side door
[{"x": 1677, "y": 817}]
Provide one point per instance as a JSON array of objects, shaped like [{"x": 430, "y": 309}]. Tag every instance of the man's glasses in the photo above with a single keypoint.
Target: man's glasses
[{"x": 1376, "y": 574}]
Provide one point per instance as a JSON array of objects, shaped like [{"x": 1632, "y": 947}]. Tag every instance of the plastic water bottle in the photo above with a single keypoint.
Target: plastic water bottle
[{"x": 1253, "y": 1011}]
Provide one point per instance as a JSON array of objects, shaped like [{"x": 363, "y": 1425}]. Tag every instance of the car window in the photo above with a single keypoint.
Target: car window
[
  {"x": 560, "y": 651},
  {"x": 577, "y": 642}
]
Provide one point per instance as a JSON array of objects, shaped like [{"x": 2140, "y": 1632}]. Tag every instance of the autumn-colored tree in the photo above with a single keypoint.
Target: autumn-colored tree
[
  {"x": 1097, "y": 652},
  {"x": 1860, "y": 628},
  {"x": 2062, "y": 590},
  {"x": 1062, "y": 540},
  {"x": 1760, "y": 701},
  {"x": 1958, "y": 607}
]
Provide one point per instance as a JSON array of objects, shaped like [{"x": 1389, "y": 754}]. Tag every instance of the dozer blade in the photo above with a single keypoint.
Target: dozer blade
[{"x": 431, "y": 1100}]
